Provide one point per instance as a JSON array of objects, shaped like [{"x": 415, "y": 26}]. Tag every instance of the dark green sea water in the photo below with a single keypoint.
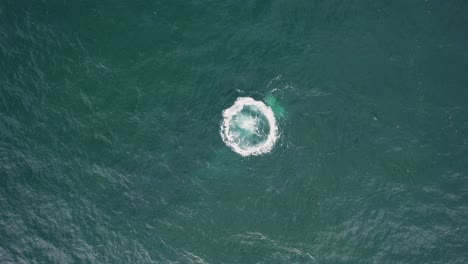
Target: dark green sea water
[{"x": 110, "y": 114}]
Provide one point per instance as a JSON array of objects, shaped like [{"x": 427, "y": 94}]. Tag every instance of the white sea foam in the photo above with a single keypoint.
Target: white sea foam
[{"x": 243, "y": 132}]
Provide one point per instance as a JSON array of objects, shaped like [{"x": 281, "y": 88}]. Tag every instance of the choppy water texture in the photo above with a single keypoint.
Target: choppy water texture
[{"x": 110, "y": 149}]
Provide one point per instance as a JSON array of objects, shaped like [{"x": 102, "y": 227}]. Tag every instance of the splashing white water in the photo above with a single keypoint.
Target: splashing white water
[{"x": 249, "y": 127}]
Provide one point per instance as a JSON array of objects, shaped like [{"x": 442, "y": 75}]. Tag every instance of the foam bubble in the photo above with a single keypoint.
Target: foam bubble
[{"x": 249, "y": 127}]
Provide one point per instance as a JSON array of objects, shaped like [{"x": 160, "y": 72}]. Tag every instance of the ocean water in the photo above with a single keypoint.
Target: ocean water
[{"x": 110, "y": 145}]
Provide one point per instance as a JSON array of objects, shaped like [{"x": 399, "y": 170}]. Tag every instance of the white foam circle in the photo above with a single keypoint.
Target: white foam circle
[{"x": 233, "y": 140}]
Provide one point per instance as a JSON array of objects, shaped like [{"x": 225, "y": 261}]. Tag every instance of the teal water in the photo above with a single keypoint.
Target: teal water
[{"x": 110, "y": 114}]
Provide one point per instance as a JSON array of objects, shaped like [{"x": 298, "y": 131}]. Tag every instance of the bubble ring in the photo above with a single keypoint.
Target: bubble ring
[{"x": 228, "y": 138}]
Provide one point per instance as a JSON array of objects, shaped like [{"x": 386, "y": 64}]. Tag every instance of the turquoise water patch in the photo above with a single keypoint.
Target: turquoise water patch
[{"x": 274, "y": 104}]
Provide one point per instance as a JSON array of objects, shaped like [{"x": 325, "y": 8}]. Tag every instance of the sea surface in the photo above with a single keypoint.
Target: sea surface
[{"x": 110, "y": 145}]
